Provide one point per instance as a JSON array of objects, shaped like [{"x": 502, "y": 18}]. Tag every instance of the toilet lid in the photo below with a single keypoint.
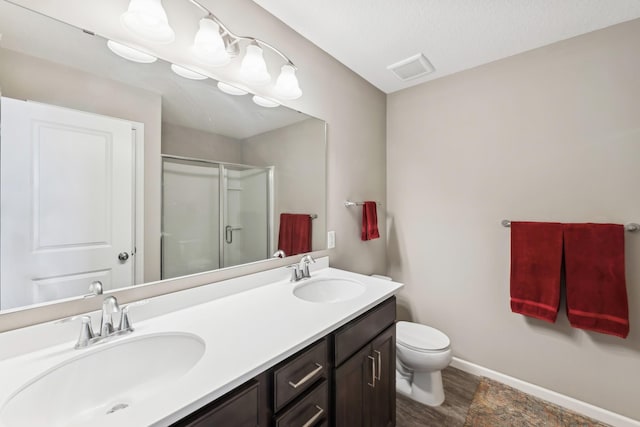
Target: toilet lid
[{"x": 420, "y": 337}]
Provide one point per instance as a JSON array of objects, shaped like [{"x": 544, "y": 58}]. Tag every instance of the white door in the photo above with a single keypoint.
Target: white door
[{"x": 66, "y": 194}]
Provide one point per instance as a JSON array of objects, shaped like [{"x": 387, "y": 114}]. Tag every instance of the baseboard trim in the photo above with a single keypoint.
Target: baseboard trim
[{"x": 567, "y": 402}]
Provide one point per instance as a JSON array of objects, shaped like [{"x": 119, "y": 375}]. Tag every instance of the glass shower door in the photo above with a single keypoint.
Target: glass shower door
[
  {"x": 210, "y": 223},
  {"x": 190, "y": 221},
  {"x": 246, "y": 212}
]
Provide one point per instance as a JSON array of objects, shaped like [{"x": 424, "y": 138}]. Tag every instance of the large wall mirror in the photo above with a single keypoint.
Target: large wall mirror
[{"x": 125, "y": 173}]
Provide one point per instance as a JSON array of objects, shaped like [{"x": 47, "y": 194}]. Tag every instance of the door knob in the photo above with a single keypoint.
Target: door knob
[{"x": 123, "y": 256}]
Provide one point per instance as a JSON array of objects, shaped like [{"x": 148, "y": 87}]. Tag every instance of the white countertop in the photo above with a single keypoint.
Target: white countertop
[{"x": 245, "y": 334}]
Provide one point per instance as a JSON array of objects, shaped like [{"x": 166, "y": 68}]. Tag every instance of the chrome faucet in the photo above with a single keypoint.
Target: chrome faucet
[
  {"x": 300, "y": 270},
  {"x": 279, "y": 254},
  {"x": 296, "y": 274},
  {"x": 304, "y": 265},
  {"x": 110, "y": 306}
]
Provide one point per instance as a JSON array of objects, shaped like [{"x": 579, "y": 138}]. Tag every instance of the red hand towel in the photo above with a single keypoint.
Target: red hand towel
[
  {"x": 596, "y": 289},
  {"x": 370, "y": 221},
  {"x": 536, "y": 260},
  {"x": 295, "y": 233}
]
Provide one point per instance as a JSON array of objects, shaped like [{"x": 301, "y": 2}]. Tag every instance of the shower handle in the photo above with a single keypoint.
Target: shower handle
[{"x": 228, "y": 233}]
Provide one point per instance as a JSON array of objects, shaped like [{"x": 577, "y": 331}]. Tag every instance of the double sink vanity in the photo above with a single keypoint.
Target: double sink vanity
[{"x": 254, "y": 350}]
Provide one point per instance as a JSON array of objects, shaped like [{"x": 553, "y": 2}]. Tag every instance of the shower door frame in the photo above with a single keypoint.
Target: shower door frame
[{"x": 222, "y": 191}]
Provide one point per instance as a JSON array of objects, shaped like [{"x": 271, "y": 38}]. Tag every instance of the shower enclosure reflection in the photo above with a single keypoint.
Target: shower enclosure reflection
[{"x": 209, "y": 222}]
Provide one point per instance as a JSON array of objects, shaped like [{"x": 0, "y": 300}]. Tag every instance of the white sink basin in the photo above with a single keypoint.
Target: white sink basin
[
  {"x": 102, "y": 380},
  {"x": 327, "y": 289}
]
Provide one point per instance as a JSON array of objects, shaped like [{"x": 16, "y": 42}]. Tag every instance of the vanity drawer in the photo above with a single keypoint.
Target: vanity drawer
[
  {"x": 313, "y": 410},
  {"x": 353, "y": 336},
  {"x": 298, "y": 374}
]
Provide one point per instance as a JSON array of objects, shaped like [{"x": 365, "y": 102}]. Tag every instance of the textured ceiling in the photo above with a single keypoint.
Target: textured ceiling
[{"x": 369, "y": 35}]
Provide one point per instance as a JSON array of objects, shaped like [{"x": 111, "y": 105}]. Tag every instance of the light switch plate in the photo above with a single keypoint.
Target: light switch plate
[{"x": 331, "y": 239}]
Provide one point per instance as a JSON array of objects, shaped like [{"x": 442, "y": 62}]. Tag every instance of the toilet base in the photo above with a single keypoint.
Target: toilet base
[{"x": 424, "y": 387}]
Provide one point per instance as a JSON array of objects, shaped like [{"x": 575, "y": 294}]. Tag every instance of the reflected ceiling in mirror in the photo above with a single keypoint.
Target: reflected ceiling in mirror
[{"x": 206, "y": 176}]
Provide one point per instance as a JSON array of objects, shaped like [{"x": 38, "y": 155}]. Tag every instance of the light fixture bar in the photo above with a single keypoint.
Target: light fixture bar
[{"x": 235, "y": 38}]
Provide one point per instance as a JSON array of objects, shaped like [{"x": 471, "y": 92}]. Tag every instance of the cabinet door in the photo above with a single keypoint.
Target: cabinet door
[
  {"x": 353, "y": 382},
  {"x": 239, "y": 409},
  {"x": 383, "y": 395}
]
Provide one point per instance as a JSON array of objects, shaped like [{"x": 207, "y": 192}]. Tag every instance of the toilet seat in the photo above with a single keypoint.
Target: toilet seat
[{"x": 421, "y": 338}]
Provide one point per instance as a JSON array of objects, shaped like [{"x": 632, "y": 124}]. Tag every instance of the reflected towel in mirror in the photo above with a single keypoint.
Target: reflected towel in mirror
[{"x": 295, "y": 233}]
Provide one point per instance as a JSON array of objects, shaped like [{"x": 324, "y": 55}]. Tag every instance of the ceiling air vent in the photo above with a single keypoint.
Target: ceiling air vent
[{"x": 411, "y": 68}]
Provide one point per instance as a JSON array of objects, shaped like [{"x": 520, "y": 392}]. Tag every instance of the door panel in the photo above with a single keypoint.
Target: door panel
[
  {"x": 66, "y": 188},
  {"x": 383, "y": 405},
  {"x": 68, "y": 286},
  {"x": 352, "y": 390}
]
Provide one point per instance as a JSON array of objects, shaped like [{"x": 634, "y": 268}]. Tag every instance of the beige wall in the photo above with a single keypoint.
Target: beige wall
[
  {"x": 296, "y": 151},
  {"x": 182, "y": 141},
  {"x": 26, "y": 77},
  {"x": 548, "y": 135}
]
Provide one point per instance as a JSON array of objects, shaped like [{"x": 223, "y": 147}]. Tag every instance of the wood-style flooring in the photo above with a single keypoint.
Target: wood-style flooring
[
  {"x": 459, "y": 388},
  {"x": 495, "y": 405}
]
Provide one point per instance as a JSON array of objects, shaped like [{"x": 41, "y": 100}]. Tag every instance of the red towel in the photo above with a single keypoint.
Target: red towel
[
  {"x": 295, "y": 233},
  {"x": 596, "y": 289},
  {"x": 536, "y": 260},
  {"x": 370, "y": 221}
]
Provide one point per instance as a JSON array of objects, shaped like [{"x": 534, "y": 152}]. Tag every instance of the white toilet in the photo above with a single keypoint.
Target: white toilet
[{"x": 421, "y": 353}]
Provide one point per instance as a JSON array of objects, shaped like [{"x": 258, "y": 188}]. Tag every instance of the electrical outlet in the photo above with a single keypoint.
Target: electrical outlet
[{"x": 331, "y": 239}]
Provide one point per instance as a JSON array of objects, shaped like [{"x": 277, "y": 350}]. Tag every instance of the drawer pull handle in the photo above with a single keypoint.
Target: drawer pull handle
[
  {"x": 313, "y": 419},
  {"x": 373, "y": 372},
  {"x": 379, "y": 364},
  {"x": 307, "y": 377}
]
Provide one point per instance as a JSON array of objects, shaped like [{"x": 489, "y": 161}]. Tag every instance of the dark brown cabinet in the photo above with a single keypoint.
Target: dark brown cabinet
[
  {"x": 364, "y": 384},
  {"x": 345, "y": 379},
  {"x": 239, "y": 408}
]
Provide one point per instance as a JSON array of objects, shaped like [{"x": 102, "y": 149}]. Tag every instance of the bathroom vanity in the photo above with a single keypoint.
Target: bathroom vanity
[
  {"x": 254, "y": 350},
  {"x": 345, "y": 379}
]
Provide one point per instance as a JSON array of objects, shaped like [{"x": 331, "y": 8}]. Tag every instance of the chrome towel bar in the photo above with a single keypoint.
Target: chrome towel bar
[
  {"x": 349, "y": 203},
  {"x": 631, "y": 227}
]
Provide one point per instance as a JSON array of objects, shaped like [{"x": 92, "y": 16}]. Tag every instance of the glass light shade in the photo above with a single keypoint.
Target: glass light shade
[
  {"x": 148, "y": 20},
  {"x": 287, "y": 86},
  {"x": 231, "y": 90},
  {"x": 253, "y": 69},
  {"x": 265, "y": 102},
  {"x": 187, "y": 73},
  {"x": 208, "y": 45},
  {"x": 130, "y": 53}
]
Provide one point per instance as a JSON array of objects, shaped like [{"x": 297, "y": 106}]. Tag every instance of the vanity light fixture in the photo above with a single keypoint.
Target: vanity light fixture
[
  {"x": 265, "y": 102},
  {"x": 287, "y": 84},
  {"x": 231, "y": 90},
  {"x": 215, "y": 45},
  {"x": 130, "y": 53},
  {"x": 148, "y": 20},
  {"x": 253, "y": 69},
  {"x": 208, "y": 46},
  {"x": 187, "y": 73}
]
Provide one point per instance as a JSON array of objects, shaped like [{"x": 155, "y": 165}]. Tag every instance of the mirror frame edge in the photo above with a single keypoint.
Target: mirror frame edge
[{"x": 59, "y": 310}]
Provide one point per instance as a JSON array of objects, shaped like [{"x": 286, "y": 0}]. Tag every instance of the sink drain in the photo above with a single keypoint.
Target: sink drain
[{"x": 117, "y": 407}]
